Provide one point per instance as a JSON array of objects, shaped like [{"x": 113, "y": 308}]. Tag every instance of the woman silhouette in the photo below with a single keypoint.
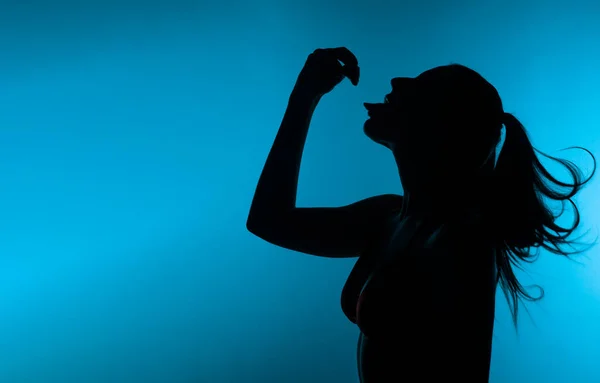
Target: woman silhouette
[{"x": 423, "y": 289}]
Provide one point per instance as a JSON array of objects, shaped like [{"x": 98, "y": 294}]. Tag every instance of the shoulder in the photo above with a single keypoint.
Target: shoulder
[{"x": 456, "y": 252}]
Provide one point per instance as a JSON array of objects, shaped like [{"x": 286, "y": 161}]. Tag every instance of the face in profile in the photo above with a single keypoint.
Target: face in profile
[
  {"x": 407, "y": 114},
  {"x": 443, "y": 119}
]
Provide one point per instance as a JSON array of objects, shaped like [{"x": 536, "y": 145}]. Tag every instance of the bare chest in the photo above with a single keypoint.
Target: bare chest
[{"x": 405, "y": 236}]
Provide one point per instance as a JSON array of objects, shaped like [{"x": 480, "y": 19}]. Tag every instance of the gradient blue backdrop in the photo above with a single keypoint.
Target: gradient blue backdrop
[{"x": 132, "y": 137}]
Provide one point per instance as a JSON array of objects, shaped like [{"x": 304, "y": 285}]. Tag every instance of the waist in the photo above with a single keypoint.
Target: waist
[{"x": 401, "y": 358}]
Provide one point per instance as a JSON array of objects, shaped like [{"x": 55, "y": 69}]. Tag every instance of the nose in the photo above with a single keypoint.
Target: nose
[
  {"x": 400, "y": 82},
  {"x": 371, "y": 108}
]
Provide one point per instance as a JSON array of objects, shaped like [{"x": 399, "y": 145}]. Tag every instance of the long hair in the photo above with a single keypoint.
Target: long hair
[
  {"x": 523, "y": 220},
  {"x": 517, "y": 191}
]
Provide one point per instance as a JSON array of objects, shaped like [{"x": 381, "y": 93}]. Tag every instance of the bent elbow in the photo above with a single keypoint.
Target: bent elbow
[
  {"x": 254, "y": 227},
  {"x": 256, "y": 220},
  {"x": 261, "y": 222},
  {"x": 261, "y": 227},
  {"x": 250, "y": 225}
]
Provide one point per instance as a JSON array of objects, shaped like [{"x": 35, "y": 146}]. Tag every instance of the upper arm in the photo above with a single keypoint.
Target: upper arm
[{"x": 329, "y": 232}]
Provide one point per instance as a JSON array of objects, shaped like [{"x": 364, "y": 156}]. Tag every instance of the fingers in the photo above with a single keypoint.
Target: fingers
[
  {"x": 342, "y": 55},
  {"x": 351, "y": 68},
  {"x": 346, "y": 57},
  {"x": 353, "y": 73}
]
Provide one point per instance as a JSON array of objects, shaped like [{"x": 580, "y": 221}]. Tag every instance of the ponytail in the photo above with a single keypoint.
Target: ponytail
[
  {"x": 515, "y": 195},
  {"x": 520, "y": 218}
]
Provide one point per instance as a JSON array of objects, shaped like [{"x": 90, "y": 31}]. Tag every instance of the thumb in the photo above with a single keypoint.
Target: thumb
[{"x": 352, "y": 72}]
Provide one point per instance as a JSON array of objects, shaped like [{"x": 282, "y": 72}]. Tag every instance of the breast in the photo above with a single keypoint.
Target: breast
[
  {"x": 429, "y": 325},
  {"x": 354, "y": 285},
  {"x": 361, "y": 271},
  {"x": 427, "y": 285}
]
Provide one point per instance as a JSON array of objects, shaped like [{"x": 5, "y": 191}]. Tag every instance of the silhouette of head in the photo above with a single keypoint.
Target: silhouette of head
[{"x": 441, "y": 125}]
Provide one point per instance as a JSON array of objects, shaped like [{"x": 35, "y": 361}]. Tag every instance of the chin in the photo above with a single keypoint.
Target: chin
[
  {"x": 370, "y": 129},
  {"x": 373, "y": 131}
]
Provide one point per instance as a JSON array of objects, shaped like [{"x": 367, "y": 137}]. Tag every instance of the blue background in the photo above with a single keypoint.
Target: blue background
[{"x": 132, "y": 136}]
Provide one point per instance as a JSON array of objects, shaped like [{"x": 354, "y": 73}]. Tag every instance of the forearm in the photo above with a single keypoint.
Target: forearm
[{"x": 278, "y": 183}]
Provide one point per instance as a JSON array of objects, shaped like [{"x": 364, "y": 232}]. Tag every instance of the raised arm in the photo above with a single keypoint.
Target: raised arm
[
  {"x": 276, "y": 191},
  {"x": 330, "y": 232}
]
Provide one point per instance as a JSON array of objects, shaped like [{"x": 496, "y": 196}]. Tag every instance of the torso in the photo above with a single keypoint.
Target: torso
[{"x": 395, "y": 358}]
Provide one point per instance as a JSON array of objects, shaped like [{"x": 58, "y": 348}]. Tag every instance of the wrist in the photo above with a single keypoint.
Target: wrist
[{"x": 305, "y": 96}]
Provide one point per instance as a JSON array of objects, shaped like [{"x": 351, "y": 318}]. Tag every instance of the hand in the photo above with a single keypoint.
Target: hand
[{"x": 323, "y": 71}]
